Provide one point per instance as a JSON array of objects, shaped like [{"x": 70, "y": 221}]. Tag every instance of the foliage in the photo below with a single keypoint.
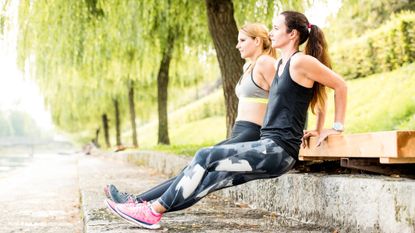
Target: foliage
[
  {"x": 5, "y": 127},
  {"x": 83, "y": 54},
  {"x": 264, "y": 10},
  {"x": 355, "y": 17},
  {"x": 383, "y": 49},
  {"x": 3, "y": 17},
  {"x": 17, "y": 124}
]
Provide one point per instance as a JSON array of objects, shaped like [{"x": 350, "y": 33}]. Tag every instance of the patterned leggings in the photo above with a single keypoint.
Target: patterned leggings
[
  {"x": 217, "y": 167},
  {"x": 242, "y": 131}
]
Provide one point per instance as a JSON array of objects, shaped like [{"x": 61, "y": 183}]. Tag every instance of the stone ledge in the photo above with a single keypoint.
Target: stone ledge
[{"x": 354, "y": 203}]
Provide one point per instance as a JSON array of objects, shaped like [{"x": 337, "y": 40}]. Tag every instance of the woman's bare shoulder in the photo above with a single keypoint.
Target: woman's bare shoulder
[
  {"x": 302, "y": 60},
  {"x": 266, "y": 61}
]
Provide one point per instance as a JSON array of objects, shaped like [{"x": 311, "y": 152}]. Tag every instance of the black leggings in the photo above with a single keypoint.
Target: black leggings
[
  {"x": 242, "y": 131},
  {"x": 222, "y": 166}
]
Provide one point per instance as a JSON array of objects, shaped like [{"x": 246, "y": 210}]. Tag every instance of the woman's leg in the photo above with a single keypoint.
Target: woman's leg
[
  {"x": 243, "y": 131},
  {"x": 257, "y": 160},
  {"x": 233, "y": 164}
]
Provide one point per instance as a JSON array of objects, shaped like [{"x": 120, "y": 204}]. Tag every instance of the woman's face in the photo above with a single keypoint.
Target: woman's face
[
  {"x": 246, "y": 45},
  {"x": 278, "y": 35}
]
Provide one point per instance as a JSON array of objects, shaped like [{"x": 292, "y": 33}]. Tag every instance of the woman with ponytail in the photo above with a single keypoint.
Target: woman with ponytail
[
  {"x": 252, "y": 88},
  {"x": 305, "y": 73},
  {"x": 298, "y": 84}
]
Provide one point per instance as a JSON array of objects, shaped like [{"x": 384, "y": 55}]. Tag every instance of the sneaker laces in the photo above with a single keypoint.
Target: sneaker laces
[
  {"x": 142, "y": 209},
  {"x": 128, "y": 196}
]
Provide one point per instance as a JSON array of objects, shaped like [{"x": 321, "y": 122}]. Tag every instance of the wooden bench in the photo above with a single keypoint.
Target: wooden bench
[{"x": 389, "y": 147}]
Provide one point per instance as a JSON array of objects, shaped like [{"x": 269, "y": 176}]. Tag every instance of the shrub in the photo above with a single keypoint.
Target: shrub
[{"x": 384, "y": 49}]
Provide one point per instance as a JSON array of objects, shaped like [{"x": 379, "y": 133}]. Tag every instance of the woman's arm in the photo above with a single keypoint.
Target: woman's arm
[
  {"x": 313, "y": 70},
  {"x": 321, "y": 116},
  {"x": 265, "y": 67}
]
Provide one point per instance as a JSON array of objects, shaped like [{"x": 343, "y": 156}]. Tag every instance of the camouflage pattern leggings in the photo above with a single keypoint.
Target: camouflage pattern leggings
[
  {"x": 222, "y": 166},
  {"x": 242, "y": 131}
]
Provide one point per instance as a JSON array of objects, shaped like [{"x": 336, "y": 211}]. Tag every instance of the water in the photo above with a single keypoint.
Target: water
[{"x": 9, "y": 162}]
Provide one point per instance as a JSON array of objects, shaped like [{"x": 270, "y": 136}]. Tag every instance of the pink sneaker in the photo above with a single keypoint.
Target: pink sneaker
[
  {"x": 139, "y": 213},
  {"x": 111, "y": 205}
]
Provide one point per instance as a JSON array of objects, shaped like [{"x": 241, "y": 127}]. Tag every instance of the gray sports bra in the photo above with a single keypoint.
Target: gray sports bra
[{"x": 247, "y": 90}]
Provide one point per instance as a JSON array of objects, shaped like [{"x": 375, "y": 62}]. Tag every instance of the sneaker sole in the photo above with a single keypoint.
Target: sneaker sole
[
  {"x": 113, "y": 210},
  {"x": 129, "y": 219},
  {"x": 137, "y": 222}
]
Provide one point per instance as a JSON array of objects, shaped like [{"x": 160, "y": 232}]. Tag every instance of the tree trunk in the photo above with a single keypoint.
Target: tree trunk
[
  {"x": 224, "y": 32},
  {"x": 132, "y": 112},
  {"x": 106, "y": 129},
  {"x": 117, "y": 122},
  {"x": 95, "y": 140},
  {"x": 162, "y": 84}
]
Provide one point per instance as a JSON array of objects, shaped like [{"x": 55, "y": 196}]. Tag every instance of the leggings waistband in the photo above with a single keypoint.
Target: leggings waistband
[{"x": 247, "y": 124}]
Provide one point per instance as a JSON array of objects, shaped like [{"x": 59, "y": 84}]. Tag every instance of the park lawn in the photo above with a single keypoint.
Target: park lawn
[
  {"x": 186, "y": 138},
  {"x": 379, "y": 102}
]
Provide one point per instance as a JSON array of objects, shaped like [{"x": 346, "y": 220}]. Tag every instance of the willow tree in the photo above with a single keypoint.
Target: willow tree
[
  {"x": 148, "y": 37},
  {"x": 85, "y": 54},
  {"x": 59, "y": 40},
  {"x": 171, "y": 26}
]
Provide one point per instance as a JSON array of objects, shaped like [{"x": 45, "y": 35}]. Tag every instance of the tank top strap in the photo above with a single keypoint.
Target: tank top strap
[
  {"x": 247, "y": 68},
  {"x": 253, "y": 81},
  {"x": 278, "y": 67},
  {"x": 288, "y": 62}
]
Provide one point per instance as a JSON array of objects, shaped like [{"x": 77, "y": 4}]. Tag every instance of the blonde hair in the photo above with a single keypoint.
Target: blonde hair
[{"x": 259, "y": 30}]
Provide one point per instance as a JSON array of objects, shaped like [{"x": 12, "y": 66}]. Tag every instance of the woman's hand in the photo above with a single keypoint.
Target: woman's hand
[
  {"x": 325, "y": 133},
  {"x": 305, "y": 141},
  {"x": 314, "y": 133}
]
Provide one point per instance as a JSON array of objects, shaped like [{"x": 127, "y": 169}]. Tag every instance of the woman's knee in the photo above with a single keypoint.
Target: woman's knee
[{"x": 201, "y": 155}]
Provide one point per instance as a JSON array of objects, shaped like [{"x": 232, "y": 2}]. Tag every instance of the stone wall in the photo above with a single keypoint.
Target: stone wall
[{"x": 353, "y": 203}]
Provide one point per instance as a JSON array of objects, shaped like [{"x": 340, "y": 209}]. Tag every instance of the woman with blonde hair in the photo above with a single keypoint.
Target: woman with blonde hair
[{"x": 252, "y": 89}]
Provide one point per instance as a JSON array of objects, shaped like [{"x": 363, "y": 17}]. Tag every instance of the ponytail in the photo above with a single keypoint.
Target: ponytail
[
  {"x": 317, "y": 47},
  {"x": 268, "y": 49}
]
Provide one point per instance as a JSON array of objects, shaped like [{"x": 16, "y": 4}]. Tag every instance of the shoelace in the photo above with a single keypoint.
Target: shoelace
[
  {"x": 128, "y": 197},
  {"x": 131, "y": 203},
  {"x": 143, "y": 210}
]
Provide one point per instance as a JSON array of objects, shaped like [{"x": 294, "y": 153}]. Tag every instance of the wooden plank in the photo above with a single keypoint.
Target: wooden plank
[
  {"x": 396, "y": 160},
  {"x": 307, "y": 158},
  {"x": 371, "y": 165},
  {"x": 390, "y": 144}
]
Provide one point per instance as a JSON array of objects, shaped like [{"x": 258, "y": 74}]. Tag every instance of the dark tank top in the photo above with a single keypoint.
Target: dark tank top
[{"x": 286, "y": 112}]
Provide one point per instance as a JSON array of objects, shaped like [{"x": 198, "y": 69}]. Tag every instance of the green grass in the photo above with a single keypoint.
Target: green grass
[
  {"x": 187, "y": 138},
  {"x": 379, "y": 102}
]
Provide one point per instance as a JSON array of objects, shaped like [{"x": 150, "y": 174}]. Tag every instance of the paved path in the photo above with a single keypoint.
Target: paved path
[{"x": 42, "y": 196}]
